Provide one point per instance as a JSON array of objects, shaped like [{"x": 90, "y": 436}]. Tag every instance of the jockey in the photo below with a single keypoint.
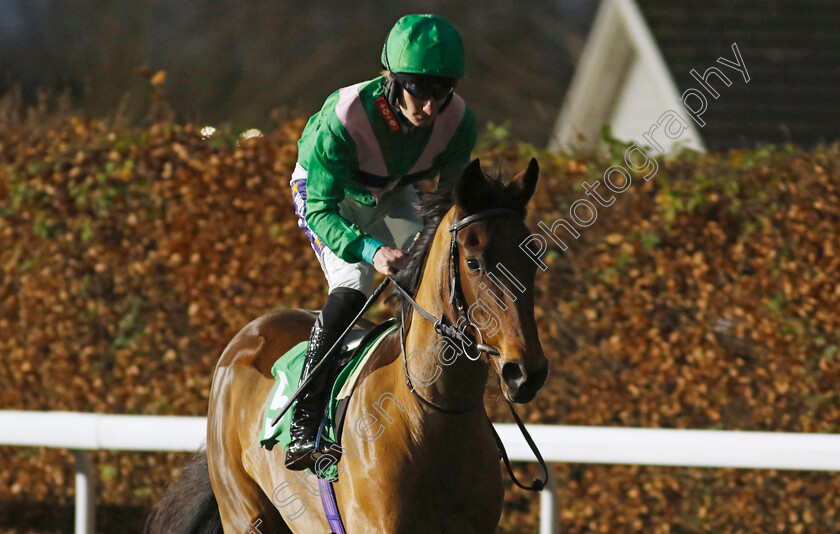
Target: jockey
[{"x": 355, "y": 184}]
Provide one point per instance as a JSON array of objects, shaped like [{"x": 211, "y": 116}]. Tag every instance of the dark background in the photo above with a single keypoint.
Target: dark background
[{"x": 255, "y": 63}]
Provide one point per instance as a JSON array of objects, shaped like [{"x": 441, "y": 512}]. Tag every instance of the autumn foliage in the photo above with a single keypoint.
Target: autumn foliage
[{"x": 706, "y": 297}]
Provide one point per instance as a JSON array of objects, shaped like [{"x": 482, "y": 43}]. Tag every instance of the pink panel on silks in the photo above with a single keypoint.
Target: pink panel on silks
[{"x": 352, "y": 115}]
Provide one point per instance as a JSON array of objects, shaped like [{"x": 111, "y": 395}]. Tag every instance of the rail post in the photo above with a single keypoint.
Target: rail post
[
  {"x": 548, "y": 503},
  {"x": 85, "y": 511}
]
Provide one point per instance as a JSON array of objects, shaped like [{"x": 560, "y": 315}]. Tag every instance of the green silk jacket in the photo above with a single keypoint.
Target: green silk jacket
[{"x": 358, "y": 146}]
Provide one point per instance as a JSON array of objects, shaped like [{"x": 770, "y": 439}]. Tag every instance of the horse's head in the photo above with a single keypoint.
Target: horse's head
[{"x": 496, "y": 278}]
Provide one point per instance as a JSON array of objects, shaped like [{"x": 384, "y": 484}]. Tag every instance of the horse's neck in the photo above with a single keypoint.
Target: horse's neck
[{"x": 461, "y": 384}]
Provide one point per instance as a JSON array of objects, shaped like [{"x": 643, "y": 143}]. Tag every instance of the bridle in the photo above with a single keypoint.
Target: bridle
[{"x": 457, "y": 331}]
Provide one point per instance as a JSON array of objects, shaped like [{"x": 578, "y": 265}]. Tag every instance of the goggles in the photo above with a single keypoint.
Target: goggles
[{"x": 427, "y": 87}]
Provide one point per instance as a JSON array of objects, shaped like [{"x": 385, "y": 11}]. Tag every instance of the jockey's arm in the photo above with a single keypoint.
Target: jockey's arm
[{"x": 329, "y": 170}]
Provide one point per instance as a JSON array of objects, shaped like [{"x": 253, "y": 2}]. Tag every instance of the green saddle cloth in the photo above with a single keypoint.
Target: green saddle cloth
[{"x": 286, "y": 372}]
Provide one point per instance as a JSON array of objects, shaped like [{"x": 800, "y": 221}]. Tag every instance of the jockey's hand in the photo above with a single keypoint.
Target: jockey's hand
[{"x": 389, "y": 260}]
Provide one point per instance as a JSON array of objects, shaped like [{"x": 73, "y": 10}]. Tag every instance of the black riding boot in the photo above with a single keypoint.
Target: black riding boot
[
  {"x": 341, "y": 307},
  {"x": 309, "y": 408}
]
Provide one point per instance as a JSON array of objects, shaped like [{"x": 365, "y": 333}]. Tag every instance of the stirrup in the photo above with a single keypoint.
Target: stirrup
[
  {"x": 307, "y": 459},
  {"x": 324, "y": 449},
  {"x": 325, "y": 446}
]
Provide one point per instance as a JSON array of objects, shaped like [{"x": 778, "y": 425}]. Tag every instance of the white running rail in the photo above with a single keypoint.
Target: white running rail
[{"x": 558, "y": 444}]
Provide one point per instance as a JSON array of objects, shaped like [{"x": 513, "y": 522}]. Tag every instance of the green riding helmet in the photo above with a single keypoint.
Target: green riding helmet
[{"x": 424, "y": 44}]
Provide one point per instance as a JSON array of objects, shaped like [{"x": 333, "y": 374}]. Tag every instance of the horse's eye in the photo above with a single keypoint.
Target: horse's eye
[{"x": 473, "y": 264}]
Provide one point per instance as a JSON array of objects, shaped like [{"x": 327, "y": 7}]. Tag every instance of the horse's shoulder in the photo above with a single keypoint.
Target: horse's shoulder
[{"x": 259, "y": 343}]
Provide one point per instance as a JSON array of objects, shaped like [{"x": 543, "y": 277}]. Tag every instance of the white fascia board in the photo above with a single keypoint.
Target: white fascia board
[{"x": 615, "y": 19}]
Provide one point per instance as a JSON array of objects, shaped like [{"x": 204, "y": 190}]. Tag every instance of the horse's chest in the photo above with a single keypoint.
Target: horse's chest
[{"x": 438, "y": 484}]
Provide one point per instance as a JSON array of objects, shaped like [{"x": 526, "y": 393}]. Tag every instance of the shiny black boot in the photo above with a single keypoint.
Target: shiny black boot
[{"x": 309, "y": 408}]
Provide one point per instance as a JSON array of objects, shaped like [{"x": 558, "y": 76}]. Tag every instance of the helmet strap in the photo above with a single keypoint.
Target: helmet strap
[
  {"x": 393, "y": 90},
  {"x": 445, "y": 104}
]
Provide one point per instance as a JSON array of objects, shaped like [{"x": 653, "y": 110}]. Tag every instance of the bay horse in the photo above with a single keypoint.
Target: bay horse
[{"x": 430, "y": 463}]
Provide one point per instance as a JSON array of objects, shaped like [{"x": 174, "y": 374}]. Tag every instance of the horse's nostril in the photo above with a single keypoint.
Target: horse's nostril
[{"x": 513, "y": 373}]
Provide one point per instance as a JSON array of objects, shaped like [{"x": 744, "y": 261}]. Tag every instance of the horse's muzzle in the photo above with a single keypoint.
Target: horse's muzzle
[{"x": 522, "y": 383}]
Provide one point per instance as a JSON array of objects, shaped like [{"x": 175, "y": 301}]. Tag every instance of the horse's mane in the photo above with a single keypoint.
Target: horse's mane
[{"x": 433, "y": 207}]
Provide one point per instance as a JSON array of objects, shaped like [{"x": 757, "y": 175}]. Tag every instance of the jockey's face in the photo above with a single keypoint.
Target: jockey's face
[{"x": 419, "y": 112}]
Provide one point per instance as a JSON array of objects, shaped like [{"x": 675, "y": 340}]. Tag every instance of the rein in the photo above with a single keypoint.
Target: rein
[{"x": 411, "y": 385}]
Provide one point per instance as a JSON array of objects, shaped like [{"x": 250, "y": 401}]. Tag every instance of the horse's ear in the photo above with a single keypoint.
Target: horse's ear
[
  {"x": 527, "y": 181},
  {"x": 470, "y": 187}
]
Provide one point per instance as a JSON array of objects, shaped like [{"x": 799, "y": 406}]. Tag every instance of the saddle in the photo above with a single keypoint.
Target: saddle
[
  {"x": 351, "y": 343},
  {"x": 356, "y": 346}
]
